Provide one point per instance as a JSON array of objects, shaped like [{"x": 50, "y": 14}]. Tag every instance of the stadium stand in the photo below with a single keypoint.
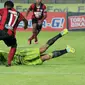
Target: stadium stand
[{"x": 48, "y": 1}]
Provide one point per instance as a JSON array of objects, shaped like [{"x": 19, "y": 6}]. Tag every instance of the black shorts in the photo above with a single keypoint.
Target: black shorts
[
  {"x": 8, "y": 40},
  {"x": 39, "y": 27},
  {"x": 11, "y": 41}
]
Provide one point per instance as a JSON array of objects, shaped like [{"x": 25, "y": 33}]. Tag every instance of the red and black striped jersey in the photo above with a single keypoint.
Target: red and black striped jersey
[
  {"x": 38, "y": 12},
  {"x": 10, "y": 18}
]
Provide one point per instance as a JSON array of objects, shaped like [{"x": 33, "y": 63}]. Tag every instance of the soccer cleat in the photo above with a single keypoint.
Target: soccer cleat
[
  {"x": 70, "y": 49},
  {"x": 65, "y": 31},
  {"x": 29, "y": 42},
  {"x": 8, "y": 65}
]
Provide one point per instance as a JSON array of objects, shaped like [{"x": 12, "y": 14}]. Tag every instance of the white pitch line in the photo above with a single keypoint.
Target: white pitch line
[{"x": 42, "y": 73}]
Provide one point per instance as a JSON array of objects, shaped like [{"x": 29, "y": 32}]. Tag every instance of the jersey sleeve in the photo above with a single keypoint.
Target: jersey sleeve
[
  {"x": 1, "y": 12},
  {"x": 21, "y": 17},
  {"x": 44, "y": 8},
  {"x": 31, "y": 7},
  {"x": 4, "y": 16}
]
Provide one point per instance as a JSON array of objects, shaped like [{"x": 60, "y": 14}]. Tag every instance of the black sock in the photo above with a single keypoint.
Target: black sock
[
  {"x": 52, "y": 40},
  {"x": 59, "y": 53}
]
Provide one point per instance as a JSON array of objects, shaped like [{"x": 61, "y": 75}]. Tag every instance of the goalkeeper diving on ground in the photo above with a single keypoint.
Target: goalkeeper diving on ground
[{"x": 36, "y": 56}]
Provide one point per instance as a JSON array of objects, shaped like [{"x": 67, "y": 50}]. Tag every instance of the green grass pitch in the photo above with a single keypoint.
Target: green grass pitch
[{"x": 68, "y": 69}]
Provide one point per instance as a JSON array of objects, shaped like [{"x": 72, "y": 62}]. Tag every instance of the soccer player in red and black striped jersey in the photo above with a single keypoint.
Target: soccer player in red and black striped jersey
[
  {"x": 10, "y": 18},
  {"x": 39, "y": 14}
]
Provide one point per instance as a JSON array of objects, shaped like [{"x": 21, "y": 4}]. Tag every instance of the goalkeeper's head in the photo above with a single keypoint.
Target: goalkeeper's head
[{"x": 8, "y": 4}]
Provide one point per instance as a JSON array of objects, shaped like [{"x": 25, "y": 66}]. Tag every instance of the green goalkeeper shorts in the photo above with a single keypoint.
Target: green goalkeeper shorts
[{"x": 28, "y": 55}]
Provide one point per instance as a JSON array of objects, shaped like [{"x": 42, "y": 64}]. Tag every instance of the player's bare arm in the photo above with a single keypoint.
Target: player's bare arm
[
  {"x": 27, "y": 12},
  {"x": 25, "y": 23}
]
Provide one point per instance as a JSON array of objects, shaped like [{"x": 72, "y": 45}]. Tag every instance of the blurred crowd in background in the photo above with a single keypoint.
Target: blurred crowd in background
[{"x": 48, "y": 1}]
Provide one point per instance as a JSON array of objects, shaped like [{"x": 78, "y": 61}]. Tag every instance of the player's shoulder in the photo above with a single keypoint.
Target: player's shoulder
[
  {"x": 14, "y": 9},
  {"x": 44, "y": 6},
  {"x": 33, "y": 5},
  {"x": 3, "y": 9}
]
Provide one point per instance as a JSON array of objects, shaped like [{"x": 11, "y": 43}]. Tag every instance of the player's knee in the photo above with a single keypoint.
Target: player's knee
[
  {"x": 42, "y": 50},
  {"x": 34, "y": 30},
  {"x": 45, "y": 57},
  {"x": 14, "y": 46}
]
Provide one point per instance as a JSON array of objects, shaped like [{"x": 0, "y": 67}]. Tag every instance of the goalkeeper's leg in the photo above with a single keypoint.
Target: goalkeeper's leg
[
  {"x": 56, "y": 53},
  {"x": 52, "y": 41}
]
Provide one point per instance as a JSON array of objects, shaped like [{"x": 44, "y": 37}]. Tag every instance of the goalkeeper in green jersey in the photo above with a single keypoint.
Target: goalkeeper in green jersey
[{"x": 36, "y": 56}]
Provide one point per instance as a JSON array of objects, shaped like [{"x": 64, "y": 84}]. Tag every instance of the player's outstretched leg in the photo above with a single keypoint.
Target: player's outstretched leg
[
  {"x": 56, "y": 53},
  {"x": 52, "y": 40}
]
